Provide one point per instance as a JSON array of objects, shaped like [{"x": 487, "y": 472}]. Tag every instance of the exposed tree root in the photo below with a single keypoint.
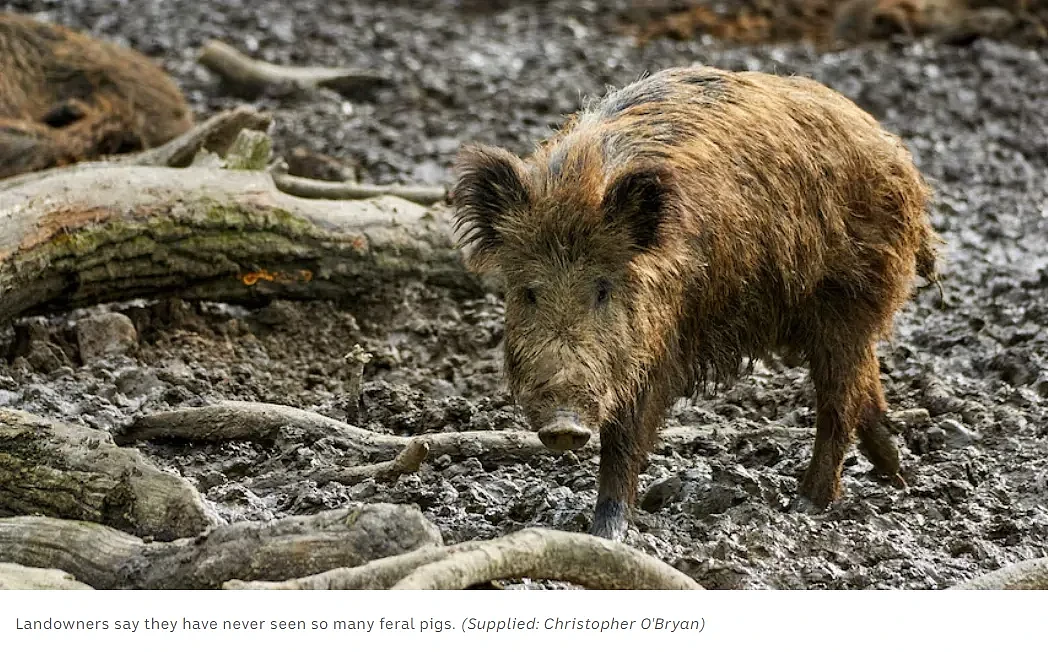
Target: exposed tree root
[
  {"x": 251, "y": 76},
  {"x": 1030, "y": 575},
  {"x": 316, "y": 189},
  {"x": 537, "y": 553},
  {"x": 409, "y": 460},
  {"x": 14, "y": 577},
  {"x": 93, "y": 234},
  {"x": 105, "y": 558},
  {"x": 63, "y": 471},
  {"x": 232, "y": 420}
]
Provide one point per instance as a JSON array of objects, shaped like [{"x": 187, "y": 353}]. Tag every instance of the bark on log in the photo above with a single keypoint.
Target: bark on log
[
  {"x": 252, "y": 76},
  {"x": 1029, "y": 575},
  {"x": 105, "y": 558},
  {"x": 537, "y": 553},
  {"x": 14, "y": 577},
  {"x": 317, "y": 189},
  {"x": 111, "y": 233},
  {"x": 64, "y": 471}
]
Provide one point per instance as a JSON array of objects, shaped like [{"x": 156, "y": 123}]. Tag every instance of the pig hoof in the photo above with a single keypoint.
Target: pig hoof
[
  {"x": 609, "y": 520},
  {"x": 802, "y": 505}
]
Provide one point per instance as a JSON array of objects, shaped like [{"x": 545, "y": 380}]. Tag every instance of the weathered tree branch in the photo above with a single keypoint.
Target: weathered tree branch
[
  {"x": 1030, "y": 575},
  {"x": 105, "y": 558},
  {"x": 111, "y": 233},
  {"x": 232, "y": 420},
  {"x": 14, "y": 577},
  {"x": 537, "y": 553},
  {"x": 216, "y": 134},
  {"x": 409, "y": 460},
  {"x": 316, "y": 189},
  {"x": 252, "y": 76},
  {"x": 63, "y": 471}
]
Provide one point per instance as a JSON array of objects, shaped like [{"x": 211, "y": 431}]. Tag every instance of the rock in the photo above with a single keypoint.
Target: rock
[
  {"x": 662, "y": 493},
  {"x": 137, "y": 382},
  {"x": 957, "y": 434},
  {"x": 45, "y": 357},
  {"x": 103, "y": 335}
]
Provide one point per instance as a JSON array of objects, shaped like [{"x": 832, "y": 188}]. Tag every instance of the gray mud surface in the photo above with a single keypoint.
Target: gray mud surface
[{"x": 975, "y": 117}]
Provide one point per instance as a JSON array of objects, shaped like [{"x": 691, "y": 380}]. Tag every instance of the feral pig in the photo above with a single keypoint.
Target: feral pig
[
  {"x": 681, "y": 226},
  {"x": 65, "y": 97}
]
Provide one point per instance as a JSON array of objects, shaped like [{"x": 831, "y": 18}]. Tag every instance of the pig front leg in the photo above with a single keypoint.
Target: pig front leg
[{"x": 625, "y": 442}]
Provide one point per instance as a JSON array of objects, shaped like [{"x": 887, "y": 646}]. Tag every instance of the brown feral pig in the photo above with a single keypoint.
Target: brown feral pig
[
  {"x": 65, "y": 97},
  {"x": 681, "y": 226}
]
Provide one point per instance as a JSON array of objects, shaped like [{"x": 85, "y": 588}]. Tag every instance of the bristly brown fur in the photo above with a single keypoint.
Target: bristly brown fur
[
  {"x": 683, "y": 225},
  {"x": 65, "y": 97}
]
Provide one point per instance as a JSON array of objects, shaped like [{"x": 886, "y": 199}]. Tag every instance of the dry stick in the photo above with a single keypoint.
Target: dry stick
[
  {"x": 231, "y": 420},
  {"x": 316, "y": 189},
  {"x": 241, "y": 70},
  {"x": 537, "y": 553},
  {"x": 88, "y": 235},
  {"x": 1031, "y": 574},
  {"x": 248, "y": 420},
  {"x": 276, "y": 550},
  {"x": 408, "y": 460},
  {"x": 52, "y": 469}
]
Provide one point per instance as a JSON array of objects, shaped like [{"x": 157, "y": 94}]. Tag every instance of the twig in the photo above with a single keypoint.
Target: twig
[
  {"x": 317, "y": 189},
  {"x": 251, "y": 75}
]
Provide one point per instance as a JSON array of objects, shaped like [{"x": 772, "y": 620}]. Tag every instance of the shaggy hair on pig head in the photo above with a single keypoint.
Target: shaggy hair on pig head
[{"x": 577, "y": 253}]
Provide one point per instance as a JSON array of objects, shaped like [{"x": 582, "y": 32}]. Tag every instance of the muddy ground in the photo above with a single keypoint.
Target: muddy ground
[{"x": 974, "y": 116}]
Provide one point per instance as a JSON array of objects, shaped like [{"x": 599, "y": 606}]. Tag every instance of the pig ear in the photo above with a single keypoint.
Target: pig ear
[
  {"x": 489, "y": 186},
  {"x": 640, "y": 200}
]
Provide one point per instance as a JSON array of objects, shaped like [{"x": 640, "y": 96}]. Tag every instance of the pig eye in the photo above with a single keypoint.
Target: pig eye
[
  {"x": 603, "y": 291},
  {"x": 529, "y": 296}
]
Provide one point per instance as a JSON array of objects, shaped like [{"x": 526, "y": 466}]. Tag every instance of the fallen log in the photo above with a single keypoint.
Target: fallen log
[
  {"x": 111, "y": 233},
  {"x": 105, "y": 558},
  {"x": 70, "y": 472},
  {"x": 251, "y": 76},
  {"x": 14, "y": 577},
  {"x": 1029, "y": 575},
  {"x": 536, "y": 553}
]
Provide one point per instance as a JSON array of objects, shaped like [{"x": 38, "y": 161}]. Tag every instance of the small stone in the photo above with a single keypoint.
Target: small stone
[
  {"x": 103, "y": 335},
  {"x": 957, "y": 434},
  {"x": 662, "y": 493},
  {"x": 910, "y": 418},
  {"x": 138, "y": 382},
  {"x": 45, "y": 357}
]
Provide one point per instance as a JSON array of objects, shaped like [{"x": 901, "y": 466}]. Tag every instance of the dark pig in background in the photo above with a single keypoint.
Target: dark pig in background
[
  {"x": 681, "y": 226},
  {"x": 66, "y": 97}
]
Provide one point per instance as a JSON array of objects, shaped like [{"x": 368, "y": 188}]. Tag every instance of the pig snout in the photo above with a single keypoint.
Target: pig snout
[{"x": 564, "y": 432}]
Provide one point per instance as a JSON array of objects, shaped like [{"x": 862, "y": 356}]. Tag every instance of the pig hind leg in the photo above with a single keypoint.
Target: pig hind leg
[
  {"x": 875, "y": 442},
  {"x": 846, "y": 376}
]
